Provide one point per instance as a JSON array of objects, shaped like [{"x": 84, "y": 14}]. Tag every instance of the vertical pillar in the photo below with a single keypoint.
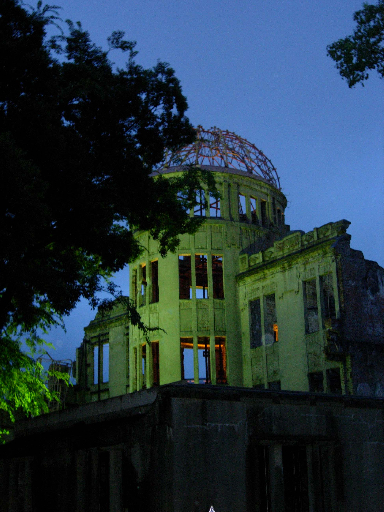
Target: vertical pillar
[{"x": 81, "y": 479}]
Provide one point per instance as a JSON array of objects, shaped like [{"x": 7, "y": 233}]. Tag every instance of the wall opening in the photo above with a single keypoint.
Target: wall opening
[
  {"x": 316, "y": 382},
  {"x": 155, "y": 363},
  {"x": 155, "y": 280},
  {"x": 217, "y": 277},
  {"x": 274, "y": 213},
  {"x": 255, "y": 323},
  {"x": 187, "y": 362},
  {"x": 96, "y": 363},
  {"x": 214, "y": 206},
  {"x": 199, "y": 210},
  {"x": 295, "y": 478},
  {"x": 105, "y": 362},
  {"x": 134, "y": 286},
  {"x": 270, "y": 320},
  {"x": 143, "y": 288},
  {"x": 221, "y": 361},
  {"x": 242, "y": 209},
  {"x": 185, "y": 277},
  {"x": 253, "y": 206},
  {"x": 263, "y": 212},
  {"x": 334, "y": 381},
  {"x": 204, "y": 360},
  {"x": 327, "y": 297},
  {"x": 143, "y": 366},
  {"x": 310, "y": 304},
  {"x": 201, "y": 270}
]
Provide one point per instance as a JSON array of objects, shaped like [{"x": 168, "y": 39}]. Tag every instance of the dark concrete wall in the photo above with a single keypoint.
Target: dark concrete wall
[{"x": 185, "y": 448}]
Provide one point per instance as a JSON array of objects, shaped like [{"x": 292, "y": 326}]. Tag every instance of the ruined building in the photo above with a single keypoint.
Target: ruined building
[
  {"x": 244, "y": 301},
  {"x": 261, "y": 391}
]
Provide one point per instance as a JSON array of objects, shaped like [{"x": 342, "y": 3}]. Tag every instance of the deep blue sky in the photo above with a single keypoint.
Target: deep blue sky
[{"x": 260, "y": 69}]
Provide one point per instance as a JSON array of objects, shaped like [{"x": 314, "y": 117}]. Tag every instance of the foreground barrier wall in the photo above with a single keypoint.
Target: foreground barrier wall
[{"x": 184, "y": 448}]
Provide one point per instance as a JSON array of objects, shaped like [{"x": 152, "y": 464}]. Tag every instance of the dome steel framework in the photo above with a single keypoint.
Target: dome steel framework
[{"x": 222, "y": 148}]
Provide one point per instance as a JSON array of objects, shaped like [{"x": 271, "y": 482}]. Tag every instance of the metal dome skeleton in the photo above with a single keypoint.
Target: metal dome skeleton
[{"x": 222, "y": 148}]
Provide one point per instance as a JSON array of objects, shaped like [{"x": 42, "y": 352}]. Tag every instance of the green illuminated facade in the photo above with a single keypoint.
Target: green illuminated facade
[{"x": 244, "y": 301}]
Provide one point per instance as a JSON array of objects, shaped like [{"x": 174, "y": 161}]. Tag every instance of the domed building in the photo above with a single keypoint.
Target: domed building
[{"x": 257, "y": 387}]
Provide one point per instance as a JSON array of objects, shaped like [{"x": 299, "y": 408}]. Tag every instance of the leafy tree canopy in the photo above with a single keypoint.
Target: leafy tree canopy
[
  {"x": 355, "y": 55},
  {"x": 79, "y": 139}
]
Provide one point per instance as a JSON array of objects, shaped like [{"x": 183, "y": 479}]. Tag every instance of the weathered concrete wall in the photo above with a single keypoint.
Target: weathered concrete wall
[{"x": 188, "y": 447}]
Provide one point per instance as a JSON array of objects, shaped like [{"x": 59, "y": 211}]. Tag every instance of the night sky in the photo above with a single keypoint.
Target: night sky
[{"x": 260, "y": 69}]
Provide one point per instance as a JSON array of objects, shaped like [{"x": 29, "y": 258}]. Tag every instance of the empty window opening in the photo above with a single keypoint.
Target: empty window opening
[
  {"x": 135, "y": 369},
  {"x": 263, "y": 211},
  {"x": 199, "y": 210},
  {"x": 143, "y": 288},
  {"x": 253, "y": 205},
  {"x": 217, "y": 277},
  {"x": 155, "y": 280},
  {"x": 221, "y": 362},
  {"x": 328, "y": 297},
  {"x": 183, "y": 198},
  {"x": 279, "y": 217},
  {"x": 96, "y": 364},
  {"x": 334, "y": 381},
  {"x": 274, "y": 213},
  {"x": 134, "y": 286},
  {"x": 144, "y": 366},
  {"x": 316, "y": 382},
  {"x": 155, "y": 363},
  {"x": 270, "y": 320},
  {"x": 186, "y": 356},
  {"x": 204, "y": 361},
  {"x": 105, "y": 362},
  {"x": 255, "y": 323},
  {"x": 201, "y": 276},
  {"x": 242, "y": 209},
  {"x": 274, "y": 385},
  {"x": 185, "y": 277},
  {"x": 214, "y": 206},
  {"x": 295, "y": 478},
  {"x": 311, "y": 310}
]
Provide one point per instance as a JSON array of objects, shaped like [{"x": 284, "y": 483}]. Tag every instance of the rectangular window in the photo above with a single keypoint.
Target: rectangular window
[
  {"x": 143, "y": 289},
  {"x": 328, "y": 297},
  {"x": 334, "y": 381},
  {"x": 105, "y": 362},
  {"x": 279, "y": 217},
  {"x": 310, "y": 304},
  {"x": 263, "y": 210},
  {"x": 217, "y": 277},
  {"x": 201, "y": 276},
  {"x": 96, "y": 364},
  {"x": 255, "y": 323},
  {"x": 155, "y": 280},
  {"x": 316, "y": 384},
  {"x": 144, "y": 366},
  {"x": 155, "y": 363},
  {"x": 199, "y": 210},
  {"x": 270, "y": 320},
  {"x": 214, "y": 206},
  {"x": 185, "y": 277},
  {"x": 204, "y": 361},
  {"x": 221, "y": 362},
  {"x": 253, "y": 205},
  {"x": 134, "y": 286},
  {"x": 242, "y": 209},
  {"x": 186, "y": 357},
  {"x": 274, "y": 214}
]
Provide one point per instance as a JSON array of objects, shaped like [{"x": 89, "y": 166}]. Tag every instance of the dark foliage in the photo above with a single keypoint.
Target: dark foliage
[{"x": 363, "y": 51}]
